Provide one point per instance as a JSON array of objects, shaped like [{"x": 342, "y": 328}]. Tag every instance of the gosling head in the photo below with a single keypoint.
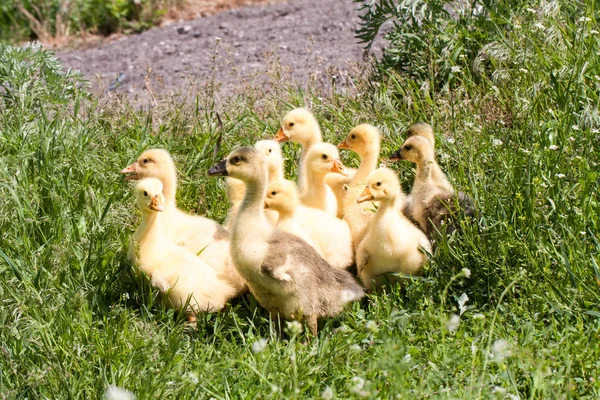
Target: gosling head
[
  {"x": 416, "y": 149},
  {"x": 154, "y": 163},
  {"x": 244, "y": 163},
  {"x": 282, "y": 196},
  {"x": 149, "y": 195},
  {"x": 323, "y": 158},
  {"x": 421, "y": 129},
  {"x": 273, "y": 155},
  {"x": 298, "y": 126},
  {"x": 382, "y": 185},
  {"x": 362, "y": 139}
]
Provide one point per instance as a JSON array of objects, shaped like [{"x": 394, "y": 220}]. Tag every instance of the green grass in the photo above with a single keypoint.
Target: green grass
[{"x": 520, "y": 134}]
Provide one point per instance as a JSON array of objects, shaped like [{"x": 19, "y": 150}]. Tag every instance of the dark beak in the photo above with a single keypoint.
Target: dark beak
[
  {"x": 397, "y": 155},
  {"x": 219, "y": 169}
]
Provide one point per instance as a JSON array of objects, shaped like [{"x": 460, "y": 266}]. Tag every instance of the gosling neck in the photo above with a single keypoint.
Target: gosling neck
[
  {"x": 314, "y": 138},
  {"x": 424, "y": 169},
  {"x": 150, "y": 227},
  {"x": 170, "y": 188},
  {"x": 316, "y": 187},
  {"x": 368, "y": 162}
]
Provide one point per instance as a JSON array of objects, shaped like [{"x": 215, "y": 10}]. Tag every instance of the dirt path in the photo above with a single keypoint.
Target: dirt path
[{"x": 314, "y": 38}]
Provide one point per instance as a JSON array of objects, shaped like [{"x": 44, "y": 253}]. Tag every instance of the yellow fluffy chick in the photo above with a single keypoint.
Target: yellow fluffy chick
[
  {"x": 392, "y": 243},
  {"x": 321, "y": 160},
  {"x": 173, "y": 269},
  {"x": 329, "y": 235},
  {"x": 365, "y": 141}
]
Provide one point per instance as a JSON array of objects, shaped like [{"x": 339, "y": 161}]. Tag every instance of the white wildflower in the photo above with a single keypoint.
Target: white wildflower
[
  {"x": 294, "y": 327},
  {"x": 451, "y": 140},
  {"x": 359, "y": 386},
  {"x": 455, "y": 69},
  {"x": 584, "y": 19},
  {"x": 193, "y": 377},
  {"x": 407, "y": 358},
  {"x": 499, "y": 390},
  {"x": 575, "y": 127},
  {"x": 582, "y": 233},
  {"x": 478, "y": 316},
  {"x": 560, "y": 176},
  {"x": 571, "y": 139},
  {"x": 327, "y": 394},
  {"x": 593, "y": 32},
  {"x": 116, "y": 393},
  {"x": 466, "y": 272},
  {"x": 525, "y": 151},
  {"x": 462, "y": 301},
  {"x": 523, "y": 70},
  {"x": 355, "y": 347},
  {"x": 512, "y": 396},
  {"x": 259, "y": 346},
  {"x": 452, "y": 323},
  {"x": 497, "y": 142},
  {"x": 531, "y": 10},
  {"x": 539, "y": 26},
  {"x": 500, "y": 350},
  {"x": 274, "y": 388},
  {"x": 553, "y": 147},
  {"x": 372, "y": 326}
]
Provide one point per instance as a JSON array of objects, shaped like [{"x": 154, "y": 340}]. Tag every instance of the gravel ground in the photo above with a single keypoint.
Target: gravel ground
[{"x": 311, "y": 39}]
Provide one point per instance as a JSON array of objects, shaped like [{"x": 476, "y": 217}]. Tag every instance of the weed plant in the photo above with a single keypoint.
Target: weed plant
[{"x": 507, "y": 309}]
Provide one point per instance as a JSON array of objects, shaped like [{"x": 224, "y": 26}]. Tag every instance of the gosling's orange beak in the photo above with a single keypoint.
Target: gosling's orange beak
[
  {"x": 155, "y": 204},
  {"x": 280, "y": 136},
  {"x": 131, "y": 169},
  {"x": 343, "y": 145},
  {"x": 266, "y": 204},
  {"x": 365, "y": 195},
  {"x": 339, "y": 168}
]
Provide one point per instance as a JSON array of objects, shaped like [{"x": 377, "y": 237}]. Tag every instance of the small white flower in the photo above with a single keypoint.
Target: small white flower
[
  {"x": 259, "y": 346},
  {"x": 539, "y": 26},
  {"x": 523, "y": 70},
  {"x": 582, "y": 233},
  {"x": 451, "y": 140},
  {"x": 466, "y": 272},
  {"x": 560, "y": 176},
  {"x": 327, "y": 394},
  {"x": 500, "y": 350},
  {"x": 193, "y": 377},
  {"x": 359, "y": 385},
  {"x": 525, "y": 151},
  {"x": 575, "y": 127},
  {"x": 553, "y": 147},
  {"x": 497, "y": 142},
  {"x": 594, "y": 32},
  {"x": 294, "y": 327},
  {"x": 531, "y": 10},
  {"x": 355, "y": 347},
  {"x": 499, "y": 390},
  {"x": 116, "y": 393},
  {"x": 452, "y": 323},
  {"x": 372, "y": 326},
  {"x": 455, "y": 69},
  {"x": 462, "y": 301},
  {"x": 407, "y": 358},
  {"x": 571, "y": 139},
  {"x": 513, "y": 396},
  {"x": 478, "y": 316},
  {"x": 274, "y": 388}
]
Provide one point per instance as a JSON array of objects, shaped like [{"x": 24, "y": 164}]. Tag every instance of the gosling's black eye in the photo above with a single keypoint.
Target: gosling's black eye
[
  {"x": 145, "y": 194},
  {"x": 273, "y": 193},
  {"x": 270, "y": 150},
  {"x": 378, "y": 184},
  {"x": 236, "y": 160},
  {"x": 291, "y": 124},
  {"x": 324, "y": 156},
  {"x": 145, "y": 161},
  {"x": 353, "y": 137},
  {"x": 408, "y": 148}
]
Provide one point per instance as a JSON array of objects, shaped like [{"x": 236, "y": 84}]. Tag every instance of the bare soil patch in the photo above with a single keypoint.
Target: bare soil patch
[{"x": 311, "y": 39}]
